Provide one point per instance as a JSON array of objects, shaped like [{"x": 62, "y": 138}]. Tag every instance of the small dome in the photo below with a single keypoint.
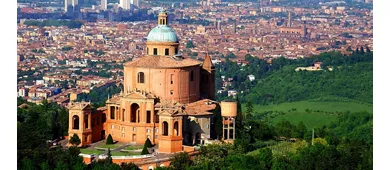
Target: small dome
[{"x": 162, "y": 33}]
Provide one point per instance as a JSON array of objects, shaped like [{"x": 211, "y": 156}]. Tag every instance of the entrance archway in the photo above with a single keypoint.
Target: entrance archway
[
  {"x": 165, "y": 128},
  {"x": 176, "y": 128},
  {"x": 133, "y": 112}
]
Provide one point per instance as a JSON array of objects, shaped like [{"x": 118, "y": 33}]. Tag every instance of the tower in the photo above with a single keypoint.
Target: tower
[
  {"x": 304, "y": 29},
  {"x": 67, "y": 3},
  {"x": 75, "y": 2},
  {"x": 125, "y": 4},
  {"x": 219, "y": 25},
  {"x": 103, "y": 4},
  {"x": 261, "y": 6},
  {"x": 80, "y": 121},
  {"x": 170, "y": 139},
  {"x": 234, "y": 27},
  {"x": 289, "y": 19},
  {"x": 229, "y": 114},
  {"x": 208, "y": 77}
]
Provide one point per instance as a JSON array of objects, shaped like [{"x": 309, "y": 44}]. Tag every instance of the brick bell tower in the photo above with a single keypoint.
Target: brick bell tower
[
  {"x": 80, "y": 122},
  {"x": 207, "y": 78},
  {"x": 171, "y": 138}
]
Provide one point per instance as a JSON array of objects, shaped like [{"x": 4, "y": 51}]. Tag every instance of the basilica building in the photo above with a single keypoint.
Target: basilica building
[{"x": 166, "y": 98}]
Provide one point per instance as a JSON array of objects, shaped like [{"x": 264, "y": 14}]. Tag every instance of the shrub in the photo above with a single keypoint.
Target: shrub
[
  {"x": 148, "y": 144},
  {"x": 75, "y": 140},
  {"x": 109, "y": 140},
  {"x": 144, "y": 151}
]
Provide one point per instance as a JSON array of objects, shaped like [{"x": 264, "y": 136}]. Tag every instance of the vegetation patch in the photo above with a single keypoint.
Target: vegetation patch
[
  {"x": 111, "y": 146},
  {"x": 133, "y": 147},
  {"x": 91, "y": 151},
  {"x": 311, "y": 120},
  {"x": 125, "y": 153},
  {"x": 326, "y": 106}
]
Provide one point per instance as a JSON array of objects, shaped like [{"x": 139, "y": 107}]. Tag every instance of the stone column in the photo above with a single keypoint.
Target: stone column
[
  {"x": 152, "y": 114},
  {"x": 180, "y": 127},
  {"x": 228, "y": 132},
  {"x": 234, "y": 129},
  {"x": 89, "y": 121},
  {"x": 223, "y": 128}
]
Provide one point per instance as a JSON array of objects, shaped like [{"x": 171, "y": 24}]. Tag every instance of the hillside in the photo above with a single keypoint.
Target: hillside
[{"x": 352, "y": 81}]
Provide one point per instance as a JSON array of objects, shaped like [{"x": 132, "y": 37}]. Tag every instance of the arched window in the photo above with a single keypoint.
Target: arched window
[
  {"x": 141, "y": 77},
  {"x": 165, "y": 128},
  {"x": 192, "y": 75},
  {"x": 176, "y": 128},
  {"x": 133, "y": 112},
  {"x": 76, "y": 122}
]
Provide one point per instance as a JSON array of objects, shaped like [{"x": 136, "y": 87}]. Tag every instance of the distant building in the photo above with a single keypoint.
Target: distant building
[
  {"x": 125, "y": 4},
  {"x": 71, "y": 3},
  {"x": 39, "y": 82},
  {"x": 232, "y": 93},
  {"x": 251, "y": 77},
  {"x": 22, "y": 92},
  {"x": 103, "y": 4}
]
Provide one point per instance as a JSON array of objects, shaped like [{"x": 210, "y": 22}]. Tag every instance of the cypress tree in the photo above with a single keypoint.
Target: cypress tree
[
  {"x": 109, "y": 140},
  {"x": 148, "y": 144},
  {"x": 144, "y": 151}
]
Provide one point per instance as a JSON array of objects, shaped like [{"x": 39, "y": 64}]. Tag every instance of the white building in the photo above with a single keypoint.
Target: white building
[
  {"x": 232, "y": 93},
  {"x": 251, "y": 77},
  {"x": 103, "y": 4},
  {"x": 39, "y": 82},
  {"x": 70, "y": 2},
  {"x": 22, "y": 92},
  {"x": 125, "y": 4}
]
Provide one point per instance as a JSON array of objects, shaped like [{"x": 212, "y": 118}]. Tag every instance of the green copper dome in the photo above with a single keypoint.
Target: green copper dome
[{"x": 162, "y": 33}]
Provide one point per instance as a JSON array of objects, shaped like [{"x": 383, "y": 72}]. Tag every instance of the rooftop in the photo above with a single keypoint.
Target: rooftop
[{"x": 162, "y": 62}]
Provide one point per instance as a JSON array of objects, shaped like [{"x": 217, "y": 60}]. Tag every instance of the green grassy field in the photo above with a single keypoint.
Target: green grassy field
[
  {"x": 322, "y": 106},
  {"x": 91, "y": 151},
  {"x": 133, "y": 147},
  {"x": 313, "y": 119},
  {"x": 125, "y": 153},
  {"x": 113, "y": 146}
]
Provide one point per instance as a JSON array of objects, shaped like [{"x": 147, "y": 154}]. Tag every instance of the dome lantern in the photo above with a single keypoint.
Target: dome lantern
[{"x": 163, "y": 17}]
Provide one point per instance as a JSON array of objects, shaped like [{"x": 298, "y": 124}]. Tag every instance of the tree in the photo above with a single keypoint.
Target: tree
[
  {"x": 144, "y": 151},
  {"x": 75, "y": 140},
  {"x": 361, "y": 50},
  {"x": 108, "y": 159},
  {"x": 301, "y": 129},
  {"x": 231, "y": 55},
  {"x": 368, "y": 49},
  {"x": 248, "y": 110},
  {"x": 181, "y": 161},
  {"x": 265, "y": 156},
  {"x": 109, "y": 140},
  {"x": 190, "y": 44},
  {"x": 129, "y": 166},
  {"x": 148, "y": 144}
]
